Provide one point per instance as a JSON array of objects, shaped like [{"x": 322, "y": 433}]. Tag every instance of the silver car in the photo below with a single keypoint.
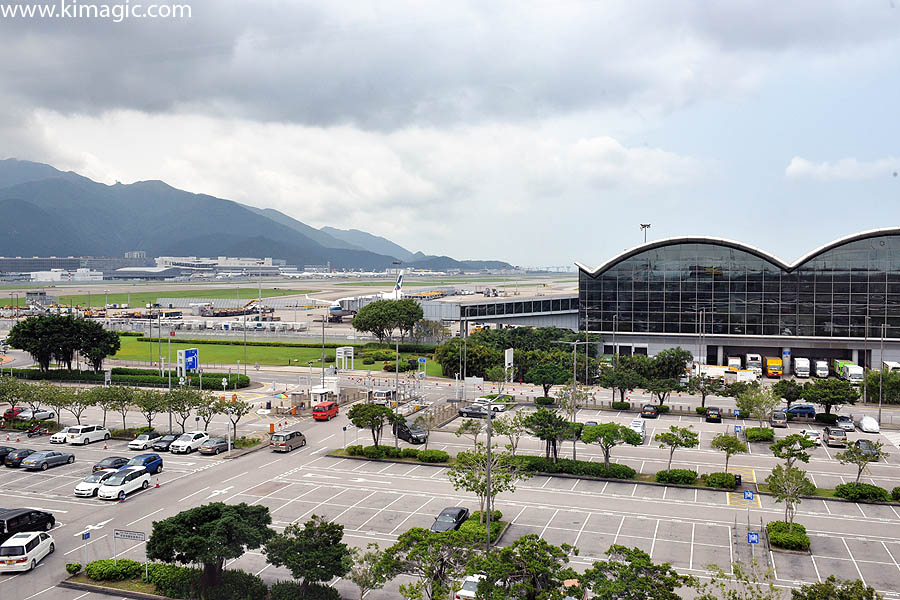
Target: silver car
[{"x": 47, "y": 458}]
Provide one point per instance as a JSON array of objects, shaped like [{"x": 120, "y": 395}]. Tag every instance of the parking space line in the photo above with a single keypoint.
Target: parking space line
[
  {"x": 816, "y": 567},
  {"x": 580, "y": 531},
  {"x": 616, "y": 539},
  {"x": 326, "y": 501},
  {"x": 354, "y": 505},
  {"x": 691, "y": 559},
  {"x": 544, "y": 530},
  {"x": 194, "y": 494},
  {"x": 850, "y": 554},
  {"x": 144, "y": 517},
  {"x": 379, "y": 511},
  {"x": 408, "y": 517},
  {"x": 309, "y": 491},
  {"x": 653, "y": 543},
  {"x": 81, "y": 546},
  {"x": 235, "y": 477},
  {"x": 40, "y": 592},
  {"x": 891, "y": 555}
]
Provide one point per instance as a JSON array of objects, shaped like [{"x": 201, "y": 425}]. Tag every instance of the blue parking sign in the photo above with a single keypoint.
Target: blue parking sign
[
  {"x": 748, "y": 494},
  {"x": 752, "y": 538},
  {"x": 738, "y": 429},
  {"x": 85, "y": 535},
  {"x": 422, "y": 361}
]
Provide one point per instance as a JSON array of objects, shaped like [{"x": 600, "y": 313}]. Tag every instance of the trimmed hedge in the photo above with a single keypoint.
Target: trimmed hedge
[
  {"x": 700, "y": 410},
  {"x": 433, "y": 456},
  {"x": 370, "y": 346},
  {"x": 184, "y": 583},
  {"x": 18, "y": 425},
  {"x": 290, "y": 590},
  {"x": 425, "y": 456},
  {"x": 73, "y": 568},
  {"x": 472, "y": 528},
  {"x": 677, "y": 476},
  {"x": 130, "y": 433},
  {"x": 211, "y": 381},
  {"x": 391, "y": 367},
  {"x": 366, "y": 361},
  {"x": 719, "y": 480},
  {"x": 780, "y": 537},
  {"x": 621, "y": 405},
  {"x": 756, "y": 434},
  {"x": 895, "y": 494},
  {"x": 862, "y": 492},
  {"x": 826, "y": 419},
  {"x": 544, "y": 401},
  {"x": 539, "y": 464},
  {"x": 109, "y": 570},
  {"x": 663, "y": 409}
]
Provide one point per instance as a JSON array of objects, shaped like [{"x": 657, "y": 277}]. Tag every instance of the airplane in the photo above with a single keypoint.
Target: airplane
[{"x": 337, "y": 311}]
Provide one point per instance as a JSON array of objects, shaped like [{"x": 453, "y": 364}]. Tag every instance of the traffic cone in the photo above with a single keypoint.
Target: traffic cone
[
  {"x": 7, "y": 437},
  {"x": 157, "y": 482},
  {"x": 18, "y": 439},
  {"x": 121, "y": 497},
  {"x": 104, "y": 446}
]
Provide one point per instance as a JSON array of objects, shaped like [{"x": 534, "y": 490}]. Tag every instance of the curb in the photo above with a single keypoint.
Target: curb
[{"x": 108, "y": 591}]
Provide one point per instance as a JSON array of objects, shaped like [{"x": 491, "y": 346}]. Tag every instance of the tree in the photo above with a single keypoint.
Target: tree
[
  {"x": 608, "y": 436},
  {"x": 381, "y": 317},
  {"x": 109, "y": 398},
  {"x": 854, "y": 455},
  {"x": 836, "y": 589},
  {"x": 123, "y": 402},
  {"x": 428, "y": 421},
  {"x": 96, "y": 343},
  {"x": 884, "y": 383},
  {"x": 35, "y": 336},
  {"x": 434, "y": 560},
  {"x": 547, "y": 375},
  {"x": 9, "y": 391},
  {"x": 370, "y": 416},
  {"x": 528, "y": 569},
  {"x": 312, "y": 553},
  {"x": 662, "y": 388},
  {"x": 32, "y": 394},
  {"x": 792, "y": 448},
  {"x": 513, "y": 427},
  {"x": 207, "y": 408},
  {"x": 622, "y": 379},
  {"x": 550, "y": 428},
  {"x": 79, "y": 401},
  {"x": 471, "y": 428},
  {"x": 830, "y": 392},
  {"x": 209, "y": 535},
  {"x": 469, "y": 473},
  {"x": 705, "y": 386},
  {"x": 677, "y": 437},
  {"x": 365, "y": 573},
  {"x": 671, "y": 363},
  {"x": 235, "y": 410},
  {"x": 429, "y": 331},
  {"x": 407, "y": 313},
  {"x": 59, "y": 400},
  {"x": 150, "y": 403},
  {"x": 788, "y": 485},
  {"x": 180, "y": 402},
  {"x": 745, "y": 582},
  {"x": 630, "y": 574},
  {"x": 789, "y": 390},
  {"x": 730, "y": 445},
  {"x": 758, "y": 403}
]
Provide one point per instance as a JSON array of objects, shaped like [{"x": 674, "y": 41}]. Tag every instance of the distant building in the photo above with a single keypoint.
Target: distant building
[
  {"x": 136, "y": 254},
  {"x": 241, "y": 265},
  {"x": 38, "y": 263},
  {"x": 67, "y": 275},
  {"x": 39, "y": 299},
  {"x": 145, "y": 273}
]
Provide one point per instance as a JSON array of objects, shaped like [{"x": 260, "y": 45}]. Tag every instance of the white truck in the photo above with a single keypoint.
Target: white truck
[
  {"x": 753, "y": 362},
  {"x": 852, "y": 373},
  {"x": 801, "y": 367},
  {"x": 821, "y": 367},
  {"x": 734, "y": 362},
  {"x": 711, "y": 371},
  {"x": 741, "y": 375}
]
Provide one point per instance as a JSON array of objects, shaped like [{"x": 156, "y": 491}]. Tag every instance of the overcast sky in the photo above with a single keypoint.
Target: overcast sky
[{"x": 539, "y": 132}]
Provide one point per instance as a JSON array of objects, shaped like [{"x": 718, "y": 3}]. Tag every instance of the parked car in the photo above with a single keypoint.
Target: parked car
[
  {"x": 214, "y": 446},
  {"x": 866, "y": 447},
  {"x": 492, "y": 404},
  {"x": 188, "y": 442},
  {"x": 325, "y": 411},
  {"x": 469, "y": 587},
  {"x": 845, "y": 422},
  {"x": 812, "y": 434},
  {"x": 713, "y": 415},
  {"x": 13, "y": 413},
  {"x": 476, "y": 411},
  {"x": 60, "y": 436},
  {"x": 47, "y": 458},
  {"x": 778, "y": 419},
  {"x": 85, "y": 434},
  {"x": 285, "y": 441},
  {"x": 802, "y": 410},
  {"x": 450, "y": 518},
  {"x": 87, "y": 487},
  {"x": 144, "y": 441},
  {"x": 152, "y": 462},
  {"x": 834, "y": 436},
  {"x": 4, "y": 450},
  {"x": 866, "y": 424},
  {"x": 411, "y": 433},
  {"x": 639, "y": 427},
  {"x": 14, "y": 459},
  {"x": 18, "y": 520},
  {"x": 110, "y": 462},
  {"x": 122, "y": 483},
  {"x": 162, "y": 444},
  {"x": 23, "y": 551},
  {"x": 590, "y": 423},
  {"x": 649, "y": 411},
  {"x": 41, "y": 414}
]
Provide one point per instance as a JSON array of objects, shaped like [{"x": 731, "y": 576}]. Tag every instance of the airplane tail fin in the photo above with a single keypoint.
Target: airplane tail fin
[{"x": 399, "y": 283}]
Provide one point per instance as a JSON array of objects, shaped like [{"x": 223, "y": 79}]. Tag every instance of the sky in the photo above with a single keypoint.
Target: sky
[{"x": 537, "y": 132}]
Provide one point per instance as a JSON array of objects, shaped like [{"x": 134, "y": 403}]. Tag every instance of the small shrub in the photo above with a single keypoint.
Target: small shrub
[
  {"x": 410, "y": 453},
  {"x": 719, "y": 480},
  {"x": 677, "y": 476},
  {"x": 433, "y": 456},
  {"x": 373, "y": 451},
  {"x": 390, "y": 367},
  {"x": 109, "y": 570},
  {"x": 780, "y": 537},
  {"x": 895, "y": 494},
  {"x": 73, "y": 568},
  {"x": 173, "y": 581},
  {"x": 539, "y": 464},
  {"x": 477, "y": 531},
  {"x": 826, "y": 419},
  {"x": 355, "y": 450},
  {"x": 284, "y": 590},
  {"x": 290, "y": 590},
  {"x": 621, "y": 405},
  {"x": 700, "y": 410},
  {"x": 663, "y": 409},
  {"x": 245, "y": 442},
  {"x": 544, "y": 400},
  {"x": 240, "y": 585},
  {"x": 862, "y": 492},
  {"x": 757, "y": 434},
  {"x": 391, "y": 452},
  {"x": 366, "y": 361}
]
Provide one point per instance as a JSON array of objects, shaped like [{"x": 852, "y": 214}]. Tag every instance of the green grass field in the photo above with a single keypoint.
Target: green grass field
[
  {"x": 426, "y": 283},
  {"x": 132, "y": 349},
  {"x": 141, "y": 299}
]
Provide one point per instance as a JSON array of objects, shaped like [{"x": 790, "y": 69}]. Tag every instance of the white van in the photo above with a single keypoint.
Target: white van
[
  {"x": 23, "y": 551},
  {"x": 639, "y": 426},
  {"x": 127, "y": 480},
  {"x": 85, "y": 434}
]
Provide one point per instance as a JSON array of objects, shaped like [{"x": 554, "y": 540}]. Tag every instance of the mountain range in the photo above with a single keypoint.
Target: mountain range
[{"x": 47, "y": 212}]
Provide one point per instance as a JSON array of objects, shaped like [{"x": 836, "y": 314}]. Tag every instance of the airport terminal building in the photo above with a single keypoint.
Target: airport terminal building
[{"x": 720, "y": 298}]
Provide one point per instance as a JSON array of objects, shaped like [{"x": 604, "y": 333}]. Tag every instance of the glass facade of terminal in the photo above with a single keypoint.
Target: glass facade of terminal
[
  {"x": 664, "y": 289},
  {"x": 493, "y": 309}
]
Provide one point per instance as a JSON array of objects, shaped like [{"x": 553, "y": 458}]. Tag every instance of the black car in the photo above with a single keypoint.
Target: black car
[
  {"x": 163, "y": 443},
  {"x": 478, "y": 411},
  {"x": 649, "y": 411},
  {"x": 412, "y": 434},
  {"x": 450, "y": 518},
  {"x": 866, "y": 447},
  {"x": 18, "y": 520},
  {"x": 713, "y": 415},
  {"x": 111, "y": 462},
  {"x": 4, "y": 450},
  {"x": 15, "y": 458}
]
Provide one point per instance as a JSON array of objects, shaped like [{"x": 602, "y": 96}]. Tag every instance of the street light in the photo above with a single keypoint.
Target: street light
[
  {"x": 574, "y": 407},
  {"x": 865, "y": 360},
  {"x": 644, "y": 228},
  {"x": 881, "y": 378}
]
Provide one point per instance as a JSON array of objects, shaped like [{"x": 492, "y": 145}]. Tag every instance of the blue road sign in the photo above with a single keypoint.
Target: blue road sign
[
  {"x": 736, "y": 412},
  {"x": 748, "y": 494},
  {"x": 422, "y": 360},
  {"x": 752, "y": 538},
  {"x": 85, "y": 535},
  {"x": 738, "y": 429},
  {"x": 191, "y": 359}
]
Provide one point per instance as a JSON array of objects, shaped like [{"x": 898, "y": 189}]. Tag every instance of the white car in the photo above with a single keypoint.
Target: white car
[
  {"x": 23, "y": 551},
  {"x": 123, "y": 482},
  {"x": 812, "y": 434},
  {"x": 867, "y": 424},
  {"x": 60, "y": 436},
  {"x": 638, "y": 426},
  {"x": 143, "y": 441},
  {"x": 88, "y": 487},
  {"x": 494, "y": 406},
  {"x": 469, "y": 587},
  {"x": 41, "y": 414},
  {"x": 85, "y": 434},
  {"x": 188, "y": 442}
]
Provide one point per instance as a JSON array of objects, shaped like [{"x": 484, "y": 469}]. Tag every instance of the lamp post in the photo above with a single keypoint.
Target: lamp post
[
  {"x": 105, "y": 299},
  {"x": 644, "y": 228},
  {"x": 574, "y": 407},
  {"x": 881, "y": 378},
  {"x": 865, "y": 360}
]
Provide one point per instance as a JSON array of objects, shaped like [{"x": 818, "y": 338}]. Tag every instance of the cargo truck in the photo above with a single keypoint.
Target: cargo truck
[
  {"x": 821, "y": 367},
  {"x": 888, "y": 366},
  {"x": 773, "y": 366},
  {"x": 852, "y": 373},
  {"x": 801, "y": 367},
  {"x": 741, "y": 375},
  {"x": 837, "y": 366},
  {"x": 734, "y": 362},
  {"x": 753, "y": 362},
  {"x": 711, "y": 371}
]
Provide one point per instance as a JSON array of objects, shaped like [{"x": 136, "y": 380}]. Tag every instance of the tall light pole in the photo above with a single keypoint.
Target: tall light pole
[
  {"x": 644, "y": 228},
  {"x": 324, "y": 316},
  {"x": 105, "y": 299},
  {"x": 574, "y": 407},
  {"x": 881, "y": 378},
  {"x": 865, "y": 361}
]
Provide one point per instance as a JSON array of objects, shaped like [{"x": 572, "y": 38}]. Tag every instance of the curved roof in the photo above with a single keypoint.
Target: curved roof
[{"x": 771, "y": 258}]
